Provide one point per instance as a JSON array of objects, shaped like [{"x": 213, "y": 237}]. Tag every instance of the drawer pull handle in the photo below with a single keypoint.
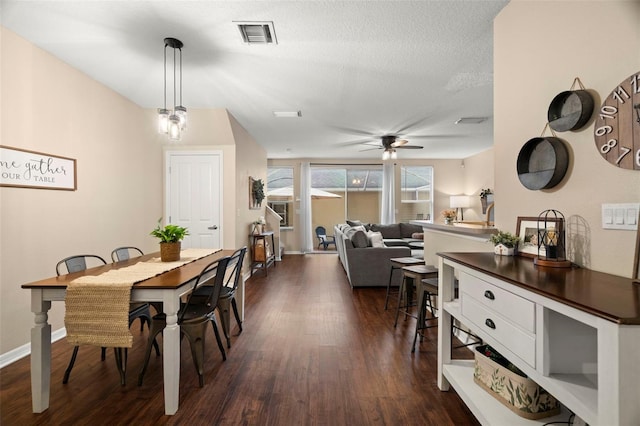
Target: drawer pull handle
[
  {"x": 489, "y": 323},
  {"x": 489, "y": 295}
]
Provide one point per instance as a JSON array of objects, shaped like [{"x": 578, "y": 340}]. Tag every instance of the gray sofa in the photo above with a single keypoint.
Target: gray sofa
[{"x": 368, "y": 266}]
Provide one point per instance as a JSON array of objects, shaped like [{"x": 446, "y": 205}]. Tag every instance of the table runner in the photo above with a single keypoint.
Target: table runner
[{"x": 97, "y": 306}]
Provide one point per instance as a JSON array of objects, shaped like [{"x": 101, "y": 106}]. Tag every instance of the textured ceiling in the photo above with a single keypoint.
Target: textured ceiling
[{"x": 355, "y": 69}]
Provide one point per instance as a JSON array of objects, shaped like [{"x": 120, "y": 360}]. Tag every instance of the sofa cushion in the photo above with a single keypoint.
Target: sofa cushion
[
  {"x": 406, "y": 229},
  {"x": 387, "y": 231},
  {"x": 395, "y": 242},
  {"x": 359, "y": 239},
  {"x": 375, "y": 239}
]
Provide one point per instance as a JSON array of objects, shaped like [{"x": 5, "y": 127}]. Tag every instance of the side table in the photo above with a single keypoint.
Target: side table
[{"x": 262, "y": 251}]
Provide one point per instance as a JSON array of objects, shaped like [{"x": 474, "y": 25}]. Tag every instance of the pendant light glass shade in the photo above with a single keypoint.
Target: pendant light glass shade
[
  {"x": 181, "y": 112},
  {"x": 174, "y": 128},
  {"x": 173, "y": 122},
  {"x": 163, "y": 120}
]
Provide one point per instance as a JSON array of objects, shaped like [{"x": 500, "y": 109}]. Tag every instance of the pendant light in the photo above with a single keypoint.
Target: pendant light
[{"x": 172, "y": 122}]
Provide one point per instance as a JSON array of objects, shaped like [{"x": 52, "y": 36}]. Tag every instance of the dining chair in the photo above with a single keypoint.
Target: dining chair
[
  {"x": 125, "y": 253},
  {"x": 79, "y": 263},
  {"x": 194, "y": 316},
  {"x": 227, "y": 298}
]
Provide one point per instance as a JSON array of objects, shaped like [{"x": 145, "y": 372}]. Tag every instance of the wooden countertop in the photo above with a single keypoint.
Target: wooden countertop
[{"x": 607, "y": 296}]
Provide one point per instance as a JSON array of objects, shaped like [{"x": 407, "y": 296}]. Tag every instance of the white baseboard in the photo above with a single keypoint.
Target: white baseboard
[
  {"x": 293, "y": 252},
  {"x": 25, "y": 350}
]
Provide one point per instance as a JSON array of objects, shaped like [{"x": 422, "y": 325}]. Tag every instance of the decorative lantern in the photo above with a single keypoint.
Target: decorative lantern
[{"x": 551, "y": 240}]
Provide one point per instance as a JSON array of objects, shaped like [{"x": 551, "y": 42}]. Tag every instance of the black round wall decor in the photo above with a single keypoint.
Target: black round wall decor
[
  {"x": 542, "y": 163},
  {"x": 570, "y": 110}
]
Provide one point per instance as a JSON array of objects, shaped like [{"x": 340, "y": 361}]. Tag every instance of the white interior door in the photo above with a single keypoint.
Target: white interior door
[{"x": 194, "y": 196}]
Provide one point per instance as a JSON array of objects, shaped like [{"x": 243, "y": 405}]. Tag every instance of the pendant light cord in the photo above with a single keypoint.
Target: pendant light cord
[
  {"x": 165, "y": 76},
  {"x": 181, "y": 77},
  {"x": 174, "y": 80}
]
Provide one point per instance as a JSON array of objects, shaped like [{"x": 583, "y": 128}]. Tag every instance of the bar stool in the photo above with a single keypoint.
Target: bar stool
[
  {"x": 399, "y": 263},
  {"x": 428, "y": 287},
  {"x": 415, "y": 273}
]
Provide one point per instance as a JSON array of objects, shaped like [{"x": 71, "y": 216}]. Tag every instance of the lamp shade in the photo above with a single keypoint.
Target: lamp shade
[{"x": 459, "y": 201}]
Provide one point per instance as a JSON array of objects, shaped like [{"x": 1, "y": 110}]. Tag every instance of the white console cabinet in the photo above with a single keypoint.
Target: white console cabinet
[{"x": 574, "y": 331}]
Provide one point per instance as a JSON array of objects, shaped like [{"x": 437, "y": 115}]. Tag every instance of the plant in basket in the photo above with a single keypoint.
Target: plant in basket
[{"x": 170, "y": 237}]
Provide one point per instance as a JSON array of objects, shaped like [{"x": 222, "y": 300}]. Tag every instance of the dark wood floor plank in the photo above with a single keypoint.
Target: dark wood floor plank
[{"x": 313, "y": 352}]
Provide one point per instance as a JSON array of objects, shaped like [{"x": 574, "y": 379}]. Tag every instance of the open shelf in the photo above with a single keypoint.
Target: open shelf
[{"x": 485, "y": 407}]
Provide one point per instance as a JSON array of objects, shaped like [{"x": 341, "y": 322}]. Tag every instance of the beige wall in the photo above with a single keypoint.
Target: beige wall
[
  {"x": 599, "y": 42},
  {"x": 250, "y": 161},
  {"x": 55, "y": 109},
  {"x": 58, "y": 110}
]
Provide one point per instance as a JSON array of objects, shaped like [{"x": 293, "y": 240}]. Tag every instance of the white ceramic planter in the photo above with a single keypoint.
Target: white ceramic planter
[{"x": 503, "y": 250}]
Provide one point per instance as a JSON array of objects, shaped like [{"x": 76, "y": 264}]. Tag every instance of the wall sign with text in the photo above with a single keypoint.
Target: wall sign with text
[{"x": 29, "y": 169}]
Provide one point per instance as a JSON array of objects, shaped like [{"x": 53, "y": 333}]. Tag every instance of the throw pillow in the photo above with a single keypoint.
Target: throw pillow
[
  {"x": 359, "y": 239},
  {"x": 375, "y": 239}
]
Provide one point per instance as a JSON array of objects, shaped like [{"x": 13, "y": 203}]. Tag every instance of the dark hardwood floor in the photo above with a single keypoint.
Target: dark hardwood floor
[{"x": 313, "y": 352}]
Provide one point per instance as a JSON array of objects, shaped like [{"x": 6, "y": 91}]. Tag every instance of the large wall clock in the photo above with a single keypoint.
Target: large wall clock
[{"x": 617, "y": 126}]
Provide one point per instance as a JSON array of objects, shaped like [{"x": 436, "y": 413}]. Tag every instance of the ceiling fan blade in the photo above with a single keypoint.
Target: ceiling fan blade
[
  {"x": 409, "y": 147},
  {"x": 354, "y": 131},
  {"x": 357, "y": 142},
  {"x": 399, "y": 142},
  {"x": 371, "y": 149},
  {"x": 415, "y": 123},
  {"x": 434, "y": 136}
]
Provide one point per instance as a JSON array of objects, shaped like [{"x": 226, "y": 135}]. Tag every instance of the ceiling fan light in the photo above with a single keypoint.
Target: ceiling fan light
[
  {"x": 386, "y": 155},
  {"x": 163, "y": 120},
  {"x": 394, "y": 154}
]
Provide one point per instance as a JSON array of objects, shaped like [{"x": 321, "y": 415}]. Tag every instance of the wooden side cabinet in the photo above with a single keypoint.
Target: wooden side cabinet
[
  {"x": 574, "y": 331},
  {"x": 262, "y": 251}
]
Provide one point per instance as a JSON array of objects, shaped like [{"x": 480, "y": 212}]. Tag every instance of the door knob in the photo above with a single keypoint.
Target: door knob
[{"x": 213, "y": 227}]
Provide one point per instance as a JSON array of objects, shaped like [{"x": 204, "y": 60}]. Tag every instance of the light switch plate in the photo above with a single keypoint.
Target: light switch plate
[{"x": 620, "y": 216}]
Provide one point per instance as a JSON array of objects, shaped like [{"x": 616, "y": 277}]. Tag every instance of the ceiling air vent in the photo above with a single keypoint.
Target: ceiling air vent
[{"x": 257, "y": 32}]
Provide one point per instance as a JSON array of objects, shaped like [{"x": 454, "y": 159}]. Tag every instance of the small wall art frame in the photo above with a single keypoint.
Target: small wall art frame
[
  {"x": 527, "y": 230},
  {"x": 256, "y": 193},
  {"x": 21, "y": 168}
]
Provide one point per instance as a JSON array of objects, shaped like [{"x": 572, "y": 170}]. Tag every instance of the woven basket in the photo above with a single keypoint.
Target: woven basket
[
  {"x": 170, "y": 252},
  {"x": 520, "y": 394}
]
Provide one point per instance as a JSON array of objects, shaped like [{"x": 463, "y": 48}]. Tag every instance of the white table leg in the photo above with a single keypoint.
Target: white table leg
[
  {"x": 171, "y": 355},
  {"x": 40, "y": 352}
]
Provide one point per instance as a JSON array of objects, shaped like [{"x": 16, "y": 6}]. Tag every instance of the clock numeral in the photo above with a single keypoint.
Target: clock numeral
[
  {"x": 606, "y": 147},
  {"x": 619, "y": 93},
  {"x": 608, "y": 111},
  {"x": 625, "y": 152},
  {"x": 638, "y": 158},
  {"x": 603, "y": 130},
  {"x": 635, "y": 83}
]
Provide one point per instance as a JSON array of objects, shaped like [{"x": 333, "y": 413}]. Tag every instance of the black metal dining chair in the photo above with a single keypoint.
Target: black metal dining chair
[
  {"x": 194, "y": 316},
  {"x": 227, "y": 300},
  {"x": 125, "y": 253},
  {"x": 79, "y": 263}
]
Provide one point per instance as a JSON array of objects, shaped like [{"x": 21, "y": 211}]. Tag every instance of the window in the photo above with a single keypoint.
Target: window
[
  {"x": 355, "y": 194},
  {"x": 416, "y": 188},
  {"x": 280, "y": 193}
]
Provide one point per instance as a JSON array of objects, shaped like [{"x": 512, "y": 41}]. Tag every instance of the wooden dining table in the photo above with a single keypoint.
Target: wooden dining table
[{"x": 167, "y": 288}]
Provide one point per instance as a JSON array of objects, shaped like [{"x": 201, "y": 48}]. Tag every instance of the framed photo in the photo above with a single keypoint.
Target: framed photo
[
  {"x": 21, "y": 168},
  {"x": 527, "y": 230}
]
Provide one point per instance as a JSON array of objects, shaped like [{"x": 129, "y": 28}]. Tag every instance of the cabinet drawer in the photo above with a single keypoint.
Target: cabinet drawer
[
  {"x": 518, "y": 341},
  {"x": 516, "y": 309}
]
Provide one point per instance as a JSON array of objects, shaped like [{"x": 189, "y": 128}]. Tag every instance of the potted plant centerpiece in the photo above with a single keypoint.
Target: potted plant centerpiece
[
  {"x": 505, "y": 243},
  {"x": 170, "y": 237}
]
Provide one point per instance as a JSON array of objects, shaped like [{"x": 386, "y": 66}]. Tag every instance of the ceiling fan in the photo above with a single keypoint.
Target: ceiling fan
[{"x": 390, "y": 143}]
